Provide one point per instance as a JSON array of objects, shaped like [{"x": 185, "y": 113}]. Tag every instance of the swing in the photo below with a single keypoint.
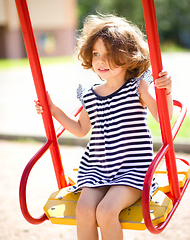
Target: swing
[{"x": 173, "y": 175}]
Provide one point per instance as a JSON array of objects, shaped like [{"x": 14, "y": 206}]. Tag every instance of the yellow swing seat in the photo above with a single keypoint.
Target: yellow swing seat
[
  {"x": 61, "y": 205},
  {"x": 183, "y": 171}
]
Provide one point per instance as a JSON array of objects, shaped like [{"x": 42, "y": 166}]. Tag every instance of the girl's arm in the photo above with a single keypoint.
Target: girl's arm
[
  {"x": 78, "y": 127},
  {"x": 164, "y": 81}
]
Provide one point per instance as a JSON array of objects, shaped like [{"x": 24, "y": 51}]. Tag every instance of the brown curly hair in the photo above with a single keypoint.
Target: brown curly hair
[{"x": 124, "y": 41}]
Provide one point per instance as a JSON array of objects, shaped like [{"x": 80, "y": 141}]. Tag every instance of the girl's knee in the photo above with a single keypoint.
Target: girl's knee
[
  {"x": 105, "y": 214},
  {"x": 85, "y": 211}
]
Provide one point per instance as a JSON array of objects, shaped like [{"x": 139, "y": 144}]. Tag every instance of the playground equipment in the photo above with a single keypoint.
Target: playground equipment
[{"x": 152, "y": 214}]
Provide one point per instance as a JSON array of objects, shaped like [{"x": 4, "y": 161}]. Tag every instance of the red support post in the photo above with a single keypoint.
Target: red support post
[
  {"x": 33, "y": 57},
  {"x": 156, "y": 62}
]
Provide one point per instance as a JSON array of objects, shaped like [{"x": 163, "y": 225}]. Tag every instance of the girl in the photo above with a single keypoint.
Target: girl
[{"x": 113, "y": 167}]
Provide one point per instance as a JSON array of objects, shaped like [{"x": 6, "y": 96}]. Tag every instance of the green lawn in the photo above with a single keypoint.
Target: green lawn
[
  {"x": 184, "y": 131},
  {"x": 169, "y": 46},
  {"x": 12, "y": 63}
]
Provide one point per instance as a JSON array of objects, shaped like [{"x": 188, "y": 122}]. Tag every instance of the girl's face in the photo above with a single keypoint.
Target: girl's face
[{"x": 100, "y": 63}]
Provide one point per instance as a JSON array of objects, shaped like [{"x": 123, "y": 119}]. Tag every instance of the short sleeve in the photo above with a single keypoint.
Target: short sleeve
[
  {"x": 80, "y": 94},
  {"x": 147, "y": 76}
]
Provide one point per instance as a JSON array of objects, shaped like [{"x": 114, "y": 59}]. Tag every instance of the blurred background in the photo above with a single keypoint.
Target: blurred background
[{"x": 56, "y": 24}]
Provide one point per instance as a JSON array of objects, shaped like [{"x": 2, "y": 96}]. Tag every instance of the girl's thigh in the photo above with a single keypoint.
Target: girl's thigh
[
  {"x": 90, "y": 198},
  {"x": 119, "y": 197}
]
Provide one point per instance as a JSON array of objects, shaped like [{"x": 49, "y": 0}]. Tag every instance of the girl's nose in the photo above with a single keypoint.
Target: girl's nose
[{"x": 103, "y": 59}]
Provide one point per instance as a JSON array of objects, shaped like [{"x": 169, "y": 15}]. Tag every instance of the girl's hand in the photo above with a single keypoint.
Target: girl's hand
[
  {"x": 39, "y": 108},
  {"x": 164, "y": 81}
]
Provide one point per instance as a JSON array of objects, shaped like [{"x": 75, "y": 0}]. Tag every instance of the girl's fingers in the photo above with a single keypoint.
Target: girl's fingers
[
  {"x": 39, "y": 108},
  {"x": 163, "y": 77},
  {"x": 164, "y": 81},
  {"x": 163, "y": 73}
]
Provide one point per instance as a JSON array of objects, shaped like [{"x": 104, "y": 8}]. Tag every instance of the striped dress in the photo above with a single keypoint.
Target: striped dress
[{"x": 119, "y": 151}]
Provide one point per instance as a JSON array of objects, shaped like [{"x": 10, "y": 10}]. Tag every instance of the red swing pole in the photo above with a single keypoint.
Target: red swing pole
[
  {"x": 156, "y": 62},
  {"x": 34, "y": 61}
]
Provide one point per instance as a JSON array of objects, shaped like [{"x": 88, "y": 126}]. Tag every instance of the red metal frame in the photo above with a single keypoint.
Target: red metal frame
[
  {"x": 33, "y": 57},
  {"x": 26, "y": 173},
  {"x": 168, "y": 135},
  {"x": 156, "y": 62},
  {"x": 23, "y": 183}
]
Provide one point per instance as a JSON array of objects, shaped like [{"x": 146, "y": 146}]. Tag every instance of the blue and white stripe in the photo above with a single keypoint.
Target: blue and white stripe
[{"x": 120, "y": 148}]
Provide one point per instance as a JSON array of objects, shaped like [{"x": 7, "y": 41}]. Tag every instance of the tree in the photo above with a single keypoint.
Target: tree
[
  {"x": 130, "y": 9},
  {"x": 173, "y": 16}
]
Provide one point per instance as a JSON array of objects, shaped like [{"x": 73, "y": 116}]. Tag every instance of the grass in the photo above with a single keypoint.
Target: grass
[
  {"x": 172, "y": 47},
  {"x": 15, "y": 63},
  {"x": 184, "y": 131}
]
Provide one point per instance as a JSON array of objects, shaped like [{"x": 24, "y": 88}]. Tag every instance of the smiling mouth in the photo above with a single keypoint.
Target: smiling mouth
[{"x": 103, "y": 70}]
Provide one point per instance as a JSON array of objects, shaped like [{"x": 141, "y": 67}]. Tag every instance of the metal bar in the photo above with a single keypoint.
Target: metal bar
[
  {"x": 147, "y": 186},
  {"x": 158, "y": 229},
  {"x": 156, "y": 62},
  {"x": 180, "y": 118},
  {"x": 33, "y": 57},
  {"x": 23, "y": 184},
  {"x": 61, "y": 129},
  {"x": 149, "y": 175}
]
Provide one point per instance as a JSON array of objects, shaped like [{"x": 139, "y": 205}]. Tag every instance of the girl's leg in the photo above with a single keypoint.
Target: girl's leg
[
  {"x": 116, "y": 199},
  {"x": 86, "y": 212}
]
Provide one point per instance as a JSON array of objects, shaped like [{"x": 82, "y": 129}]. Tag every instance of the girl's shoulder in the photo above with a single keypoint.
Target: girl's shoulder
[
  {"x": 146, "y": 76},
  {"x": 83, "y": 94},
  {"x": 80, "y": 94},
  {"x": 80, "y": 91}
]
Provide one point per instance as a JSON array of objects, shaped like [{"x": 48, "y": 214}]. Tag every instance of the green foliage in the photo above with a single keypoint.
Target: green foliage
[
  {"x": 173, "y": 16},
  {"x": 173, "y": 20},
  {"x": 130, "y": 9}
]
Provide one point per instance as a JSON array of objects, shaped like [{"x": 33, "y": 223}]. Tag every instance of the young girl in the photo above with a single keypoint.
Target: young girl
[{"x": 114, "y": 165}]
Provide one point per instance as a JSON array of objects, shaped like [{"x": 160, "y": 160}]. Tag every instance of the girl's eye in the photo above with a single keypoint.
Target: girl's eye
[{"x": 95, "y": 54}]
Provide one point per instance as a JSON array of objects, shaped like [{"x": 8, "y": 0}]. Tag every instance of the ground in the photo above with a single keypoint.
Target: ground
[{"x": 14, "y": 157}]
